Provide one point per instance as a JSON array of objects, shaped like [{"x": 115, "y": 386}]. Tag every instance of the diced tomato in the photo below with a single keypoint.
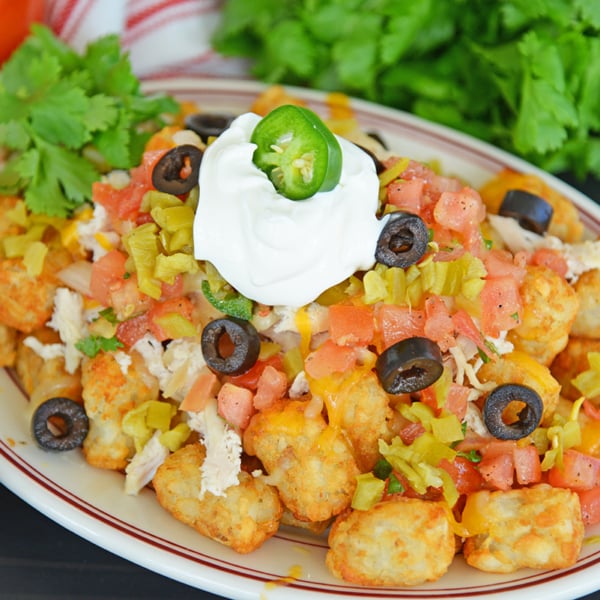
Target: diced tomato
[
  {"x": 108, "y": 274},
  {"x": 580, "y": 471},
  {"x": 590, "y": 505},
  {"x": 464, "y": 325},
  {"x": 439, "y": 326},
  {"x": 457, "y": 400},
  {"x": 409, "y": 433},
  {"x": 528, "y": 468},
  {"x": 250, "y": 378},
  {"x": 329, "y": 358},
  {"x": 133, "y": 329},
  {"x": 496, "y": 447},
  {"x": 127, "y": 298},
  {"x": 396, "y": 323},
  {"x": 182, "y": 305},
  {"x": 498, "y": 470},
  {"x": 501, "y": 263},
  {"x": 203, "y": 389},
  {"x": 351, "y": 325},
  {"x": 406, "y": 195},
  {"x": 501, "y": 305},
  {"x": 272, "y": 386},
  {"x": 172, "y": 290},
  {"x": 464, "y": 473},
  {"x": 235, "y": 405},
  {"x": 552, "y": 259}
]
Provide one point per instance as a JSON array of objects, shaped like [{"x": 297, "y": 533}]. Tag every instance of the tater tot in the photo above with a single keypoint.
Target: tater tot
[
  {"x": 572, "y": 361},
  {"x": 245, "y": 517},
  {"x": 365, "y": 417},
  {"x": 108, "y": 394},
  {"x": 587, "y": 320},
  {"x": 27, "y": 302},
  {"x": 401, "y": 542},
  {"x": 537, "y": 528},
  {"x": 311, "y": 464},
  {"x": 519, "y": 367},
  {"x": 550, "y": 306},
  {"x": 8, "y": 346}
]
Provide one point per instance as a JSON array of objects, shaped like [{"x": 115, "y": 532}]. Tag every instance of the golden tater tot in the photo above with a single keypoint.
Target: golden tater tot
[
  {"x": 108, "y": 394},
  {"x": 365, "y": 417},
  {"x": 572, "y": 361},
  {"x": 587, "y": 320},
  {"x": 537, "y": 528},
  {"x": 405, "y": 541},
  {"x": 8, "y": 346},
  {"x": 245, "y": 517},
  {"x": 565, "y": 224},
  {"x": 311, "y": 464},
  {"x": 27, "y": 302},
  {"x": 550, "y": 306},
  {"x": 519, "y": 367}
]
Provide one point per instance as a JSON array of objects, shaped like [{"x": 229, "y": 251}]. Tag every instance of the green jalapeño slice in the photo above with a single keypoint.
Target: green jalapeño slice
[{"x": 297, "y": 151}]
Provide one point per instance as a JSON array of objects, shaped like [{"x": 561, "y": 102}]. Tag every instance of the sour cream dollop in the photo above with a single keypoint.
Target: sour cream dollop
[{"x": 274, "y": 250}]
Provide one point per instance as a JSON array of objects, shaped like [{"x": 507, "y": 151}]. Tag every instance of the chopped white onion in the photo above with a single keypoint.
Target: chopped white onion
[{"x": 77, "y": 276}]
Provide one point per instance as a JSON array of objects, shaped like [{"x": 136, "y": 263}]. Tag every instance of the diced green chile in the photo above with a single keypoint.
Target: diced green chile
[
  {"x": 166, "y": 175},
  {"x": 403, "y": 240},
  {"x": 245, "y": 341},
  {"x": 70, "y": 415},
  {"x": 297, "y": 151},
  {"x": 409, "y": 365},
  {"x": 208, "y": 125},
  {"x": 531, "y": 211},
  {"x": 529, "y": 416}
]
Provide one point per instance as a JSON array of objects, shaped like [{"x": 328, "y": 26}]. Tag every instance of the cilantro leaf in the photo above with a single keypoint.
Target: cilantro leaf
[
  {"x": 55, "y": 103},
  {"x": 94, "y": 344}
]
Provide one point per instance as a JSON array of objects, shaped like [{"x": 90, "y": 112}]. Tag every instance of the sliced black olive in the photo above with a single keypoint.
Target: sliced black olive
[
  {"x": 208, "y": 125},
  {"x": 166, "y": 176},
  {"x": 70, "y": 425},
  {"x": 531, "y": 211},
  {"x": 377, "y": 137},
  {"x": 529, "y": 416},
  {"x": 409, "y": 365},
  {"x": 403, "y": 240},
  {"x": 243, "y": 337}
]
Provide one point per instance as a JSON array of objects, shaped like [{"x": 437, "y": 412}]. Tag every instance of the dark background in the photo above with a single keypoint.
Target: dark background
[{"x": 40, "y": 560}]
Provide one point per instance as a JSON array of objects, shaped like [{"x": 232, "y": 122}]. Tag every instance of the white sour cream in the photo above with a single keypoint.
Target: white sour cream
[{"x": 275, "y": 250}]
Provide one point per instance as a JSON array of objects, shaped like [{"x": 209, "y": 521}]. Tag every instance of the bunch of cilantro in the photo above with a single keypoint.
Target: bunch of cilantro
[
  {"x": 521, "y": 74},
  {"x": 66, "y": 117}
]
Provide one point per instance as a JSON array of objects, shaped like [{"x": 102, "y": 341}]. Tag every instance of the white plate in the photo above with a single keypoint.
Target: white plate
[{"x": 91, "y": 503}]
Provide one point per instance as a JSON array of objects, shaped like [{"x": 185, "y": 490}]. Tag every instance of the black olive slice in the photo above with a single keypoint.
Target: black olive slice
[
  {"x": 403, "y": 240},
  {"x": 531, "y": 211},
  {"x": 243, "y": 337},
  {"x": 409, "y": 365},
  {"x": 70, "y": 416},
  {"x": 166, "y": 175},
  {"x": 208, "y": 125},
  {"x": 529, "y": 416}
]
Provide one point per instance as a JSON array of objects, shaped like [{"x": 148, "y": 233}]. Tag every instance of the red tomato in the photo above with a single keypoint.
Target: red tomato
[
  {"x": 439, "y": 325},
  {"x": 457, "y": 400},
  {"x": 235, "y": 405},
  {"x": 498, "y": 470},
  {"x": 17, "y": 18},
  {"x": 272, "y": 386},
  {"x": 250, "y": 378},
  {"x": 464, "y": 473},
  {"x": 108, "y": 274},
  {"x": 183, "y": 306},
  {"x": 590, "y": 505},
  {"x": 329, "y": 358},
  {"x": 131, "y": 330},
  {"x": 501, "y": 305},
  {"x": 351, "y": 325},
  {"x": 580, "y": 472},
  {"x": 500, "y": 263},
  {"x": 528, "y": 468},
  {"x": 396, "y": 323},
  {"x": 203, "y": 389},
  {"x": 464, "y": 325},
  {"x": 552, "y": 259},
  {"x": 123, "y": 204},
  {"x": 406, "y": 195}
]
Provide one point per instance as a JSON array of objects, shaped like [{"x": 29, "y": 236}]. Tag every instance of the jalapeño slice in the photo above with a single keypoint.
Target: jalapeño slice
[{"x": 297, "y": 151}]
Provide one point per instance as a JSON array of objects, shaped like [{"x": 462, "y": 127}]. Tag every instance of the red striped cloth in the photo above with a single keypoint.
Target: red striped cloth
[{"x": 165, "y": 38}]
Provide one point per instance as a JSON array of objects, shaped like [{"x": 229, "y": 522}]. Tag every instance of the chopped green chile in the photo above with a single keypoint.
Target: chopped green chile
[
  {"x": 233, "y": 304},
  {"x": 409, "y": 365},
  {"x": 531, "y": 211},
  {"x": 529, "y": 416},
  {"x": 297, "y": 151}
]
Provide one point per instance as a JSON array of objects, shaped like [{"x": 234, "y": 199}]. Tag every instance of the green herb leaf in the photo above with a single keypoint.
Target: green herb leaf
[
  {"x": 229, "y": 303},
  {"x": 94, "y": 344}
]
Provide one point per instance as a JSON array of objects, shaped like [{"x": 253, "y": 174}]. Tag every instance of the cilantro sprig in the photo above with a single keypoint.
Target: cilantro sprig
[
  {"x": 58, "y": 108},
  {"x": 521, "y": 74}
]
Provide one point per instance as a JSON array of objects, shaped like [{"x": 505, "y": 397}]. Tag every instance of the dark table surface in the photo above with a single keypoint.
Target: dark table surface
[{"x": 40, "y": 560}]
